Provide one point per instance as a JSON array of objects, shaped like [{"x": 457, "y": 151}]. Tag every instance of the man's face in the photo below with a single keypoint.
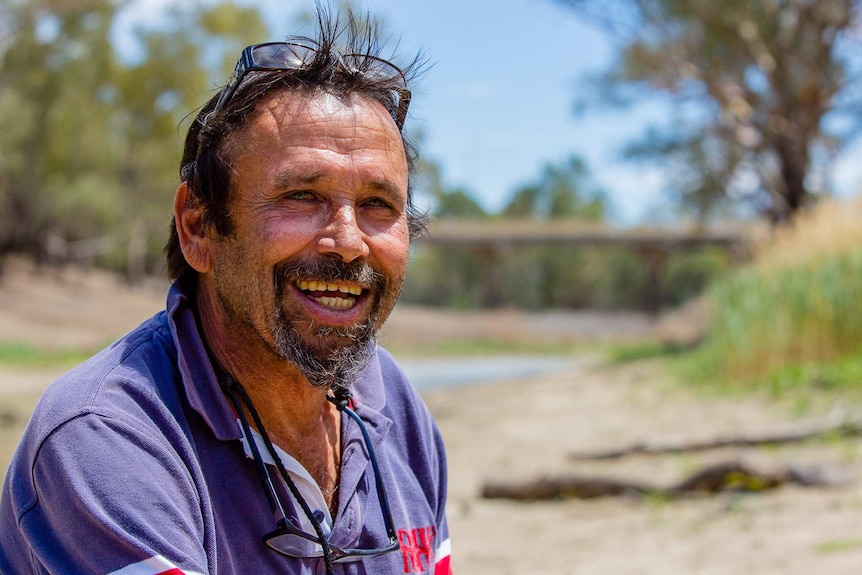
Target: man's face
[{"x": 320, "y": 243}]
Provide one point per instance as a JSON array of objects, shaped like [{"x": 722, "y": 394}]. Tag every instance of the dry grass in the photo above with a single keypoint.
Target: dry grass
[{"x": 832, "y": 227}]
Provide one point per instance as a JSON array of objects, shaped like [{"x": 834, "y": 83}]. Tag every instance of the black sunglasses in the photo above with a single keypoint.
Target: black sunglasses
[
  {"x": 272, "y": 56},
  {"x": 287, "y": 538}
]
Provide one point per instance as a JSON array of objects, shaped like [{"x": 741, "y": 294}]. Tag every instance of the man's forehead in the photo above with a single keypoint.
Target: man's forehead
[
  {"x": 320, "y": 127},
  {"x": 321, "y": 111},
  {"x": 301, "y": 117}
]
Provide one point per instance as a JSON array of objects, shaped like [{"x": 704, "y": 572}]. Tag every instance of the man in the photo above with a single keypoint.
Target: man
[{"x": 254, "y": 426}]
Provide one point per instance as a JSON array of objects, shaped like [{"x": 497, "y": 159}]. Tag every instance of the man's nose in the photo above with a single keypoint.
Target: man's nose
[{"x": 343, "y": 236}]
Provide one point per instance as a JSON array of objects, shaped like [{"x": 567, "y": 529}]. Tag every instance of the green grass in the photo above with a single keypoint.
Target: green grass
[
  {"x": 839, "y": 545},
  {"x": 796, "y": 380},
  {"x": 19, "y": 354},
  {"x": 764, "y": 320}
]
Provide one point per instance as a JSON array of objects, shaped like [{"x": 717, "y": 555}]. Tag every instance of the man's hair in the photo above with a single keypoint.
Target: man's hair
[{"x": 205, "y": 164}]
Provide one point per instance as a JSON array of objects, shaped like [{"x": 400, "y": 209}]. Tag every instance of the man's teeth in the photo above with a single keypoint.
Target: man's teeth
[
  {"x": 325, "y": 286},
  {"x": 338, "y": 302}
]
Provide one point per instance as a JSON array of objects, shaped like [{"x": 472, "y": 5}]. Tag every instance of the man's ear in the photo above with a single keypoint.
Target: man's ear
[{"x": 194, "y": 242}]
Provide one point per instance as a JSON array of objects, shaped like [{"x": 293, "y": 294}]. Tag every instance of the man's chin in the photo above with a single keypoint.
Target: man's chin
[{"x": 330, "y": 357}]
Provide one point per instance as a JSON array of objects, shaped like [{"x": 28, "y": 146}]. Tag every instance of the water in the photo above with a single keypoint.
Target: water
[{"x": 435, "y": 373}]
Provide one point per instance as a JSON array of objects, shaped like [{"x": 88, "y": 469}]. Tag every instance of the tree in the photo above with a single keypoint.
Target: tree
[
  {"x": 89, "y": 138},
  {"x": 771, "y": 83},
  {"x": 153, "y": 97},
  {"x": 54, "y": 69},
  {"x": 561, "y": 191}
]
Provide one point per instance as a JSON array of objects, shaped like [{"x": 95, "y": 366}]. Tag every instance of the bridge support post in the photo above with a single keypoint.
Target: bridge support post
[
  {"x": 656, "y": 260},
  {"x": 492, "y": 257}
]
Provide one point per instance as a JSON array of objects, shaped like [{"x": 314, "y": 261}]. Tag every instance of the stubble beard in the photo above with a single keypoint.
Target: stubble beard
[{"x": 327, "y": 356}]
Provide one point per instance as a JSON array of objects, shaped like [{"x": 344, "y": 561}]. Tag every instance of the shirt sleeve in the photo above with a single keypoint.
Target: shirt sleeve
[
  {"x": 112, "y": 498},
  {"x": 443, "y": 550}
]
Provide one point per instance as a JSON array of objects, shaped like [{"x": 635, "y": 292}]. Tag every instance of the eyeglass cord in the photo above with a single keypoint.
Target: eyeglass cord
[{"x": 340, "y": 398}]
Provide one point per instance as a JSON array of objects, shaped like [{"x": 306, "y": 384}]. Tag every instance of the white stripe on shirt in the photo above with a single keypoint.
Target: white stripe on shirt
[{"x": 152, "y": 566}]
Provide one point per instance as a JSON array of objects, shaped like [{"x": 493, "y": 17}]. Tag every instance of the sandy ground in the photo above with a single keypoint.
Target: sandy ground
[{"x": 524, "y": 429}]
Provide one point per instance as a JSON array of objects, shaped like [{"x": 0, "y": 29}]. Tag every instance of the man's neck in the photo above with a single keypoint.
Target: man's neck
[{"x": 296, "y": 415}]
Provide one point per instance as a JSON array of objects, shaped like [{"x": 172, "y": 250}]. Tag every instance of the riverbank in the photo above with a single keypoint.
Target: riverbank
[{"x": 527, "y": 429}]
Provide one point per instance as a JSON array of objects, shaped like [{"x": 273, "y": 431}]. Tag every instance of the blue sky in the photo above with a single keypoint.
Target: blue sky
[{"x": 497, "y": 104}]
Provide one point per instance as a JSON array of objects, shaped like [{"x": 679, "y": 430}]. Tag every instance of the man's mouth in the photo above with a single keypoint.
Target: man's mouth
[{"x": 333, "y": 295}]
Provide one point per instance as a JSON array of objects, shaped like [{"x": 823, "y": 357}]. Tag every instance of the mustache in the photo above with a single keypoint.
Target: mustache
[{"x": 328, "y": 269}]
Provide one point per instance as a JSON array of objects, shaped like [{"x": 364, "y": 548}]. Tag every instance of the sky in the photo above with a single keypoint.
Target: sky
[{"x": 498, "y": 103}]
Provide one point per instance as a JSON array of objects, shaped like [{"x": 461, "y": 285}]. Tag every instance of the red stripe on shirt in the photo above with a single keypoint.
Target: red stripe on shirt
[{"x": 442, "y": 567}]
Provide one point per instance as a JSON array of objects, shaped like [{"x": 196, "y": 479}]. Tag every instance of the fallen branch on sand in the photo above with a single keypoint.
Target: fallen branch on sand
[
  {"x": 730, "y": 476},
  {"x": 788, "y": 436}
]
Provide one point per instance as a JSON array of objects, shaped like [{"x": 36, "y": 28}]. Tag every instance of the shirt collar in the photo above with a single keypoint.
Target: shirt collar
[{"x": 198, "y": 376}]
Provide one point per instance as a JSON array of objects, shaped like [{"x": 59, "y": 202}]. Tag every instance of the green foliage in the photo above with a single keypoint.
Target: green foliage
[
  {"x": 90, "y": 139},
  {"x": 810, "y": 312},
  {"x": 690, "y": 273},
  {"x": 454, "y": 278},
  {"x": 552, "y": 277},
  {"x": 538, "y": 278},
  {"x": 544, "y": 277},
  {"x": 457, "y": 203},
  {"x": 562, "y": 191},
  {"x": 787, "y": 327},
  {"x": 59, "y": 60}
]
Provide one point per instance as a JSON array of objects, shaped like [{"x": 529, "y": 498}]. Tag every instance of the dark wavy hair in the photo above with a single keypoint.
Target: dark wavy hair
[{"x": 206, "y": 160}]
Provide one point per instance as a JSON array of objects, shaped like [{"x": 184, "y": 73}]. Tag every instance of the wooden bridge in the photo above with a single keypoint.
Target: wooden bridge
[{"x": 493, "y": 239}]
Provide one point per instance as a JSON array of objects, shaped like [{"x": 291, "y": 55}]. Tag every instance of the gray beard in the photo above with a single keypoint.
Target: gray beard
[
  {"x": 338, "y": 367},
  {"x": 328, "y": 366}
]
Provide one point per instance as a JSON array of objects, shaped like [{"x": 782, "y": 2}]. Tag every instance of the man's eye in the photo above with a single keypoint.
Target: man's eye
[
  {"x": 377, "y": 203},
  {"x": 302, "y": 195}
]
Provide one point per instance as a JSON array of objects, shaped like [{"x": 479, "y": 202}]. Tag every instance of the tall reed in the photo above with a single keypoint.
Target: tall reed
[{"x": 800, "y": 302}]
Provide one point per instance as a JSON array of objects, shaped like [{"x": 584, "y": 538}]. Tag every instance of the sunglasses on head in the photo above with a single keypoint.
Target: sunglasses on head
[{"x": 274, "y": 56}]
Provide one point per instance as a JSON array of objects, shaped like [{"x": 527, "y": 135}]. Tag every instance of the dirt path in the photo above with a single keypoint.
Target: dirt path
[{"x": 524, "y": 429}]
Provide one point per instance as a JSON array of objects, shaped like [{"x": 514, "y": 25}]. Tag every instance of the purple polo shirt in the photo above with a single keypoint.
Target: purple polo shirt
[{"x": 132, "y": 464}]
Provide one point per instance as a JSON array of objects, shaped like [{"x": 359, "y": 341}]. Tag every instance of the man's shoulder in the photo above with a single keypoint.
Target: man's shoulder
[
  {"x": 400, "y": 395},
  {"x": 393, "y": 378},
  {"x": 388, "y": 365},
  {"x": 118, "y": 378}
]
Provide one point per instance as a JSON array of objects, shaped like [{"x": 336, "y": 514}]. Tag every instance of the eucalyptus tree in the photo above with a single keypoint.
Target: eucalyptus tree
[
  {"x": 563, "y": 190},
  {"x": 172, "y": 70},
  {"x": 91, "y": 123},
  {"x": 55, "y": 64},
  {"x": 764, "y": 93}
]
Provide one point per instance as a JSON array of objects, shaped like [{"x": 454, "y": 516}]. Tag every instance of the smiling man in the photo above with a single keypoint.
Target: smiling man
[{"x": 255, "y": 426}]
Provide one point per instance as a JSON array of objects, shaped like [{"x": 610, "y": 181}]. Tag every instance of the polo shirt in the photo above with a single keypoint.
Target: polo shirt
[{"x": 133, "y": 464}]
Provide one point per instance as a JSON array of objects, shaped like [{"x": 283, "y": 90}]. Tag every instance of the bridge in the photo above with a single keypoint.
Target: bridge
[{"x": 493, "y": 239}]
